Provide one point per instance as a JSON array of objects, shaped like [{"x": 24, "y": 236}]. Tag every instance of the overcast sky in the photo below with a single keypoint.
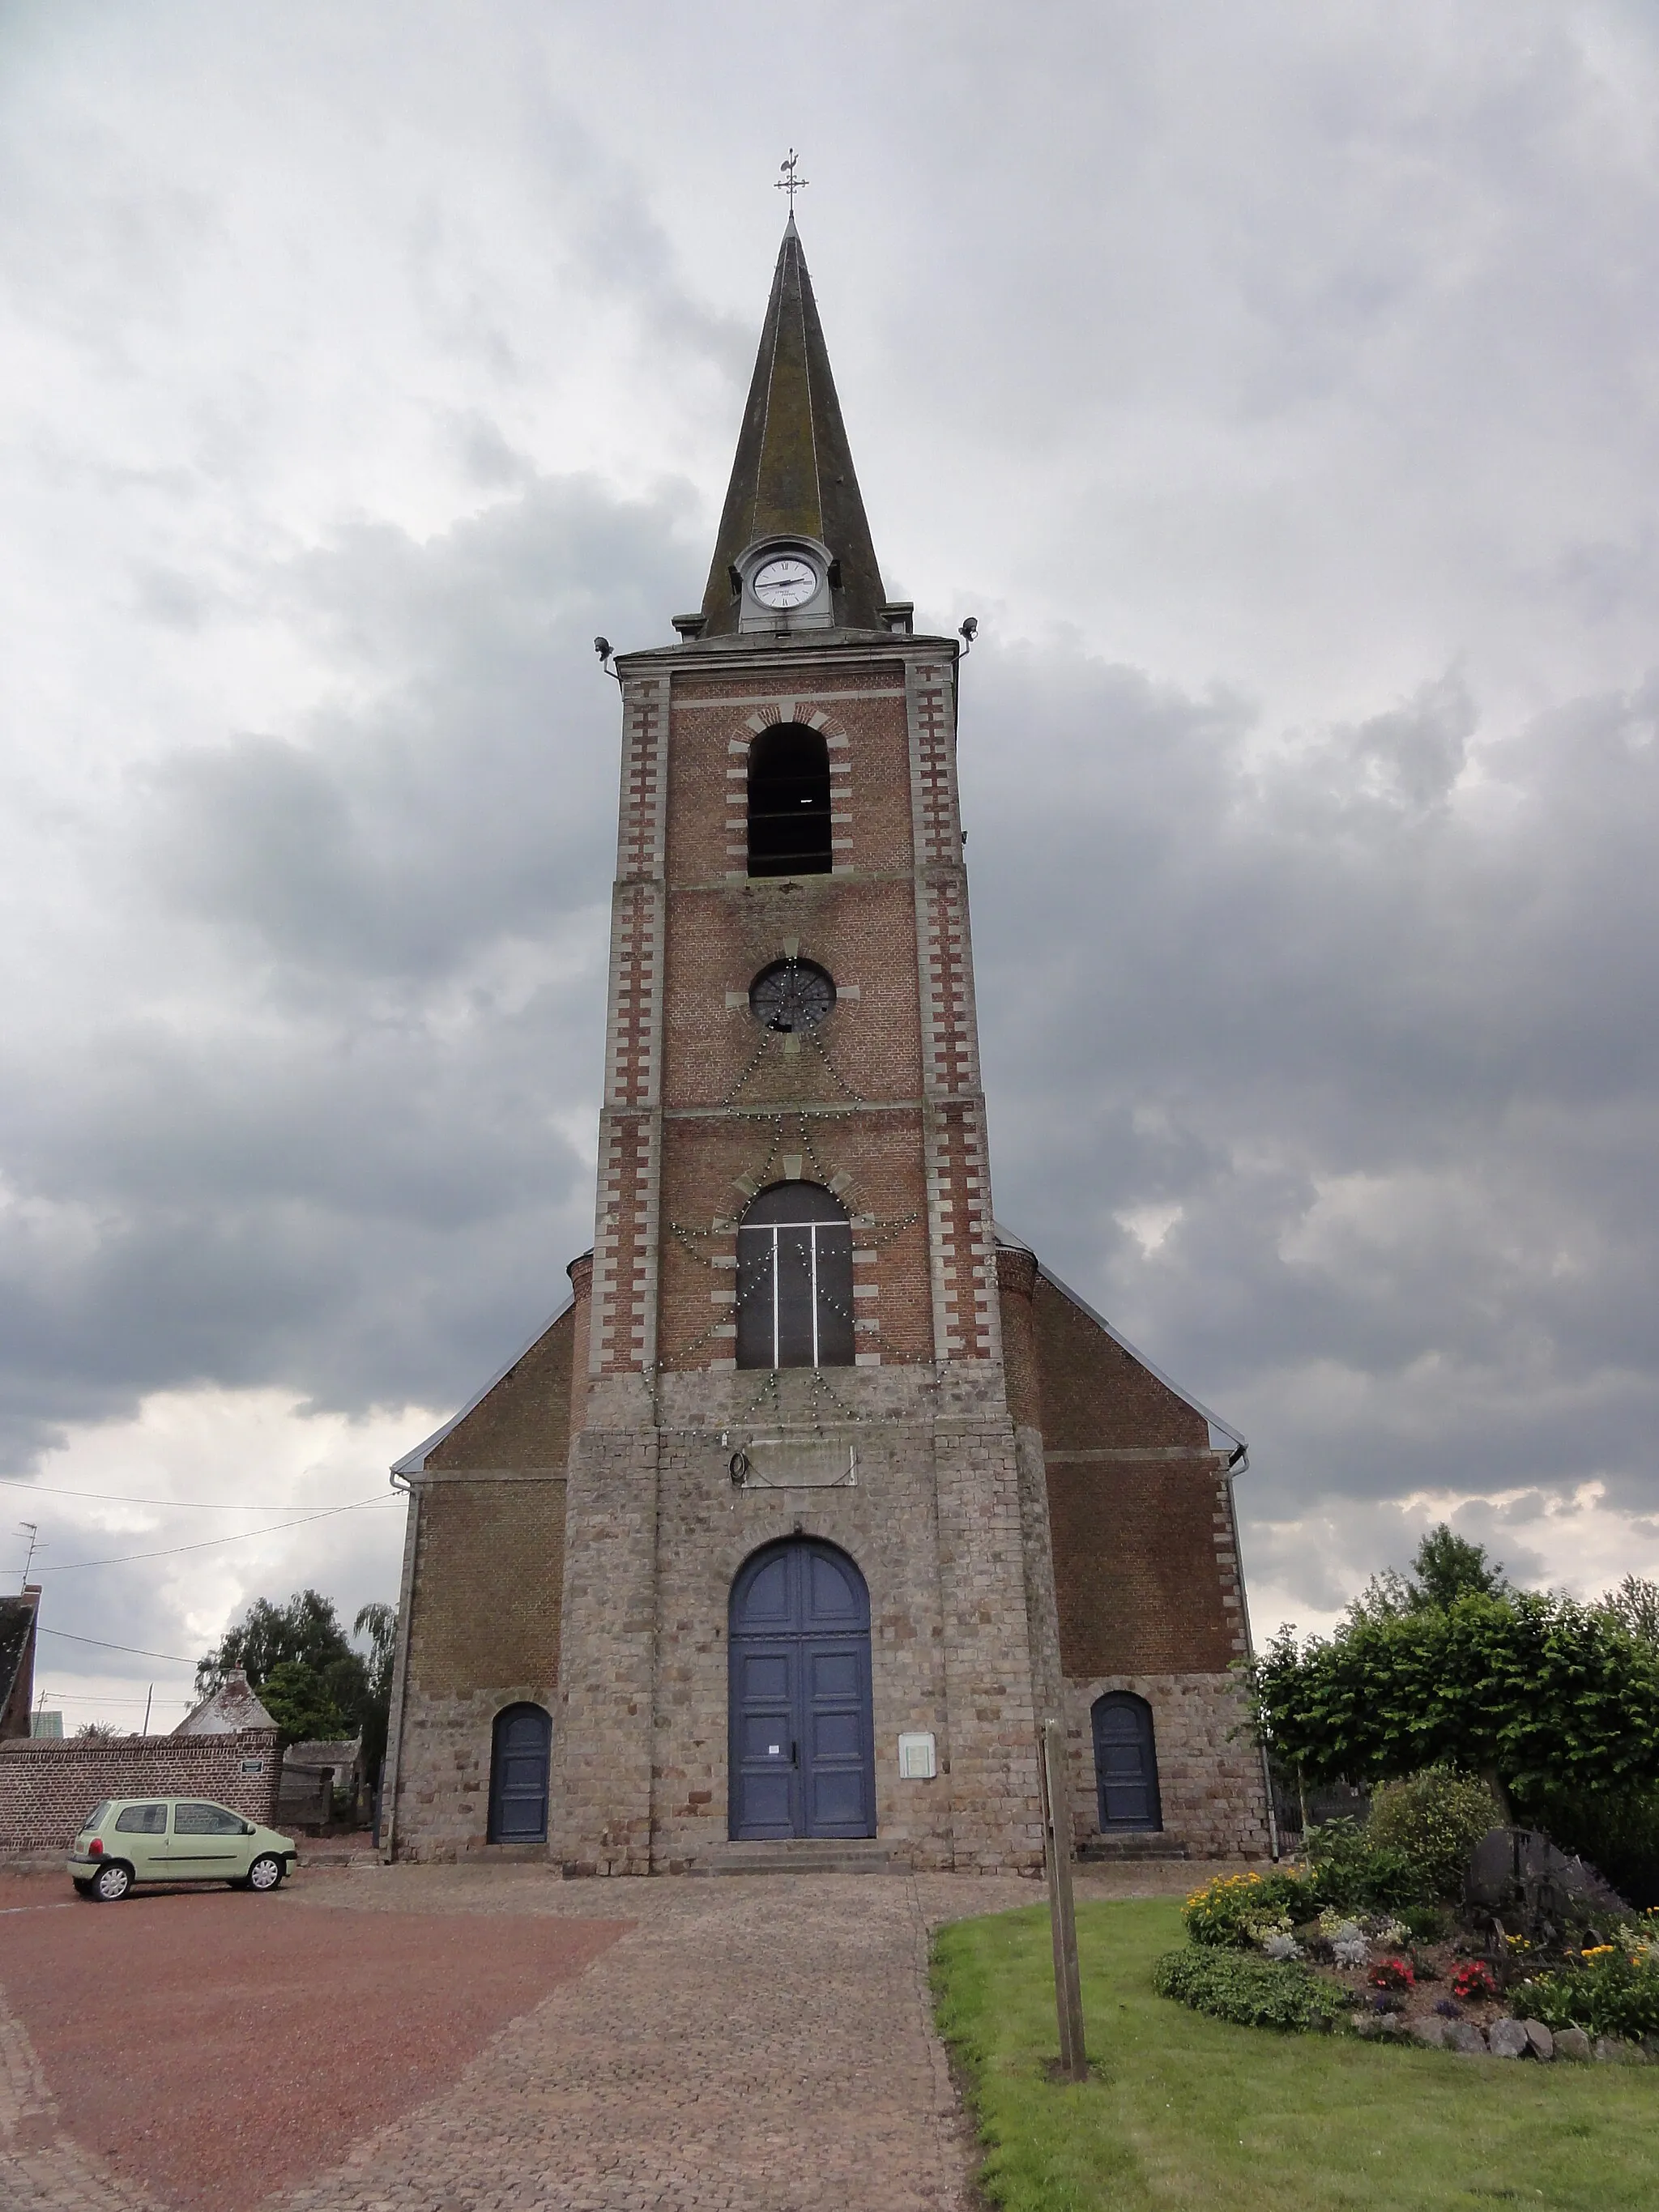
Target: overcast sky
[{"x": 1276, "y": 382}]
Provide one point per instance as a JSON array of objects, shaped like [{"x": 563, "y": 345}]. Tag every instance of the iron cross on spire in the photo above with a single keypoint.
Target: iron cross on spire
[{"x": 789, "y": 182}]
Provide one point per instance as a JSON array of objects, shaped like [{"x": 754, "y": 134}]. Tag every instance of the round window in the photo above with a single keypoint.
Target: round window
[{"x": 791, "y": 994}]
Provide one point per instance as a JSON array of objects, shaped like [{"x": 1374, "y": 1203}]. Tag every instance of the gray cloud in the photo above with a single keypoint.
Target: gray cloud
[{"x": 1274, "y": 383}]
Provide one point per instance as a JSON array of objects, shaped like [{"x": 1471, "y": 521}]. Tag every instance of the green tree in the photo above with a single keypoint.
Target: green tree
[
  {"x": 306, "y": 1628},
  {"x": 1636, "y": 1603},
  {"x": 1444, "y": 1567},
  {"x": 299, "y": 1699},
  {"x": 301, "y": 1660},
  {"x": 1538, "y": 1695},
  {"x": 379, "y": 1623}
]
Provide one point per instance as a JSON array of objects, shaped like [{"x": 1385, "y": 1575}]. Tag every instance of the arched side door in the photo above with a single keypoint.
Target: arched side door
[
  {"x": 1126, "y": 1762},
  {"x": 802, "y": 1739},
  {"x": 520, "y": 1754}
]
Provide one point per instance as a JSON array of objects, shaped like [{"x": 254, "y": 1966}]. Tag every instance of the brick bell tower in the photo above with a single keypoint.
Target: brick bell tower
[
  {"x": 796, "y": 1600},
  {"x": 780, "y": 1536}
]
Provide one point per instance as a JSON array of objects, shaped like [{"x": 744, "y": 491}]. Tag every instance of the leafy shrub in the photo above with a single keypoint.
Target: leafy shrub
[
  {"x": 1232, "y": 1910},
  {"x": 1436, "y": 1817},
  {"x": 1610, "y": 1991},
  {"x": 1348, "y": 1870},
  {"x": 1250, "y": 1992}
]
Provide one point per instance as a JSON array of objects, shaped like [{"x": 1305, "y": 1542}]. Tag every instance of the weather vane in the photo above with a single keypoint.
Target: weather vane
[{"x": 789, "y": 182}]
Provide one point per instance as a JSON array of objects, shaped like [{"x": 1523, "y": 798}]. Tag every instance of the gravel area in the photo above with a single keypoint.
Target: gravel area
[{"x": 429, "y": 2039}]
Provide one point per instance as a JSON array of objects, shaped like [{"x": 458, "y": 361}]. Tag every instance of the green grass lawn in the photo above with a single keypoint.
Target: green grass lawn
[{"x": 1185, "y": 2111}]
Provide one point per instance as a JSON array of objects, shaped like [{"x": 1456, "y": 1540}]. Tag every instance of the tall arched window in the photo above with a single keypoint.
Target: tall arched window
[
  {"x": 795, "y": 1279},
  {"x": 789, "y": 802}
]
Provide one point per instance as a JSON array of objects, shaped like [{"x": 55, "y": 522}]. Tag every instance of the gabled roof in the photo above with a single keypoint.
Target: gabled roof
[
  {"x": 414, "y": 1462},
  {"x": 793, "y": 474},
  {"x": 1241, "y": 1449},
  {"x": 232, "y": 1707}
]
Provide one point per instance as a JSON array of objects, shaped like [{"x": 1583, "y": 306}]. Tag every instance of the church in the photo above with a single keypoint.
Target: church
[{"x": 779, "y": 1541}]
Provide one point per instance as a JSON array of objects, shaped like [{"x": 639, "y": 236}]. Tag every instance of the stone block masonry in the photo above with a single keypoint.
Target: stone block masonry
[
  {"x": 47, "y": 1788},
  {"x": 1209, "y": 1769}
]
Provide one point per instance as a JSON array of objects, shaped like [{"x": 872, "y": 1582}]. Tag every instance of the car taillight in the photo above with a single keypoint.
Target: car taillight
[{"x": 95, "y": 1848}]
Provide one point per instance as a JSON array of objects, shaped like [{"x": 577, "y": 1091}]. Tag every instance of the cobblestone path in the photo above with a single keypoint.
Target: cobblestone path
[{"x": 762, "y": 2042}]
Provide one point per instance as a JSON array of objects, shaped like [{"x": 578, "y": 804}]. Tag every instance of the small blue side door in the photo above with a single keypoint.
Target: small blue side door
[
  {"x": 1126, "y": 1762},
  {"x": 520, "y": 1755}
]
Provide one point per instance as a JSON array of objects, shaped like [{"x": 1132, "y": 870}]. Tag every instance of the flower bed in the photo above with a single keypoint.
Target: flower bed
[
  {"x": 1259, "y": 1958},
  {"x": 1611, "y": 1989}
]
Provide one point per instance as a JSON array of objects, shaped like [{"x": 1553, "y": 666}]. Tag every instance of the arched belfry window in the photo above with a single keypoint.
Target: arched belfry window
[
  {"x": 795, "y": 1279},
  {"x": 789, "y": 802}
]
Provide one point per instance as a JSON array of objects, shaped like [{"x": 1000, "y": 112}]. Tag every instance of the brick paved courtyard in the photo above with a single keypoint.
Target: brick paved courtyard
[{"x": 759, "y": 2042}]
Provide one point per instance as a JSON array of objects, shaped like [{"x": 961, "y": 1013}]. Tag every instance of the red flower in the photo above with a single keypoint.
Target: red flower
[
  {"x": 1392, "y": 1974},
  {"x": 1474, "y": 1980}
]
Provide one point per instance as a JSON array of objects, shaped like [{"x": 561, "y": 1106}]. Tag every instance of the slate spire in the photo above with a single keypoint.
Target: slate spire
[{"x": 793, "y": 471}]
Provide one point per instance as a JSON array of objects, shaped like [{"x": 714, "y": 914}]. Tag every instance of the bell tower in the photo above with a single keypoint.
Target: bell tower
[
  {"x": 783, "y": 1533},
  {"x": 790, "y": 1351}
]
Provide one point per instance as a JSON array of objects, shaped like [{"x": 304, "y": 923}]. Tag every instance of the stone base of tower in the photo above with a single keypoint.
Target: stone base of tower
[
  {"x": 1077, "y": 1556},
  {"x": 927, "y": 1511}
]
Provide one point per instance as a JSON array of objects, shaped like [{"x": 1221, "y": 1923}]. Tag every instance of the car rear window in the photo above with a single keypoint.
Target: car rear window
[
  {"x": 142, "y": 1821},
  {"x": 191, "y": 1818},
  {"x": 95, "y": 1816}
]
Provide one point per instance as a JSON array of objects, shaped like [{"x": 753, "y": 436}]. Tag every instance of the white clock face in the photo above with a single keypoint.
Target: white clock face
[{"x": 788, "y": 581}]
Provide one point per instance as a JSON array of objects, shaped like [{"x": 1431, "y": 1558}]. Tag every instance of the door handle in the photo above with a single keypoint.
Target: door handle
[{"x": 794, "y": 1754}]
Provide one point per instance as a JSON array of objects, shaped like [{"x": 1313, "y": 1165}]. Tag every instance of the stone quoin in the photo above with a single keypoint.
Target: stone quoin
[{"x": 814, "y": 1457}]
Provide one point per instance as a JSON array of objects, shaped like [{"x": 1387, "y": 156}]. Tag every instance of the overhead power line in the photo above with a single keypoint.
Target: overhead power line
[
  {"x": 114, "y": 1498},
  {"x": 217, "y": 1543},
  {"x": 135, "y": 1651}
]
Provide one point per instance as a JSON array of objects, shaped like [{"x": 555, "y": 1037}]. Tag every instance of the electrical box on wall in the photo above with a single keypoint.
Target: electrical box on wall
[{"x": 918, "y": 1756}]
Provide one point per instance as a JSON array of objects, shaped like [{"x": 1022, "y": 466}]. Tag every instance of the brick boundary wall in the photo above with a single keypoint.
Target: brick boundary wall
[{"x": 47, "y": 1788}]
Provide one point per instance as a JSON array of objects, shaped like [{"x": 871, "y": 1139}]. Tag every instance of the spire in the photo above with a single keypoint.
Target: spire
[{"x": 794, "y": 469}]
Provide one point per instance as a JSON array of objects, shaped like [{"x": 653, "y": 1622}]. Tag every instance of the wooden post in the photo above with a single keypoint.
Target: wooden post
[{"x": 1062, "y": 1917}]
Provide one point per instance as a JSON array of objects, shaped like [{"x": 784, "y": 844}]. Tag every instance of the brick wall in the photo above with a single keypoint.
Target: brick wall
[
  {"x": 47, "y": 1788},
  {"x": 484, "y": 1602},
  {"x": 1138, "y": 1577}
]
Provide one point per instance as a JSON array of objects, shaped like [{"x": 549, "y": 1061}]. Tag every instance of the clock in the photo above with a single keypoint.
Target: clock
[
  {"x": 791, "y": 994},
  {"x": 786, "y": 582}
]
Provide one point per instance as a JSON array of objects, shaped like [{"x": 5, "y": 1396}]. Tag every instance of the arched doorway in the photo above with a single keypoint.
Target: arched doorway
[
  {"x": 520, "y": 1753},
  {"x": 802, "y": 1742},
  {"x": 1126, "y": 1762}
]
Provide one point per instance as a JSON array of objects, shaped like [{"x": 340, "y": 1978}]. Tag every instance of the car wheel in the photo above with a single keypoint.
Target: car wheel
[
  {"x": 112, "y": 1882},
  {"x": 266, "y": 1873},
  {"x": 82, "y": 1884}
]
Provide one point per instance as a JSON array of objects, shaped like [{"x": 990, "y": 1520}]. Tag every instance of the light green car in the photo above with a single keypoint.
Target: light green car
[{"x": 130, "y": 1840}]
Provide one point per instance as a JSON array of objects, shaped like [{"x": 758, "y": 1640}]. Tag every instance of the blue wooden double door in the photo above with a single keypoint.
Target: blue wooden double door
[{"x": 803, "y": 1747}]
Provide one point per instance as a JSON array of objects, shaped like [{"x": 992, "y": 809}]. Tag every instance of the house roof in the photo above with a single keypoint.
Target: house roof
[
  {"x": 232, "y": 1707},
  {"x": 319, "y": 1753}
]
